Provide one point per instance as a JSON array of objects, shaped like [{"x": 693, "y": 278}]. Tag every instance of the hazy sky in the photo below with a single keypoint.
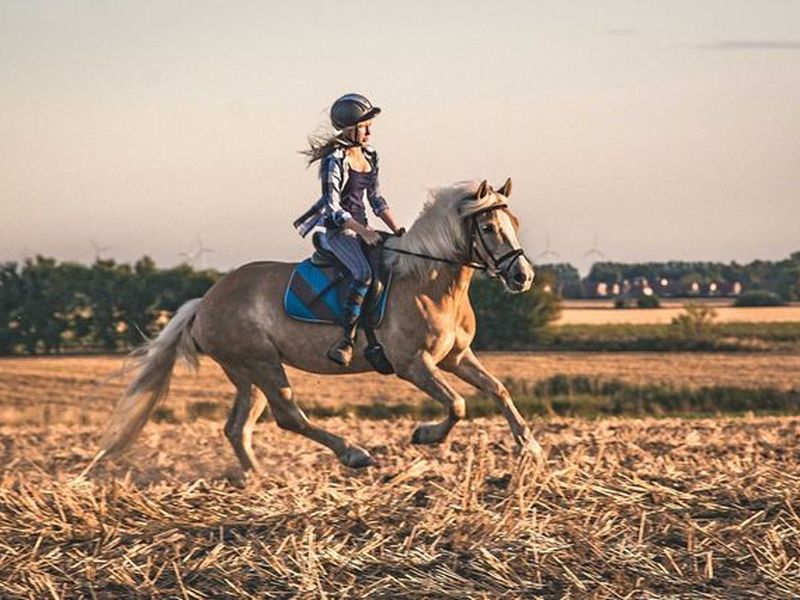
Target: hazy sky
[{"x": 667, "y": 130}]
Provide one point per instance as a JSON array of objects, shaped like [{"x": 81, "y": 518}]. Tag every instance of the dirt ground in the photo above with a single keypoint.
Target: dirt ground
[
  {"x": 701, "y": 508},
  {"x": 621, "y": 508},
  {"x": 83, "y": 389}
]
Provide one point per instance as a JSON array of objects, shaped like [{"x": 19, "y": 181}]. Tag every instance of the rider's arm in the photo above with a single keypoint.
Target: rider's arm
[
  {"x": 378, "y": 203},
  {"x": 387, "y": 217},
  {"x": 366, "y": 233},
  {"x": 331, "y": 176}
]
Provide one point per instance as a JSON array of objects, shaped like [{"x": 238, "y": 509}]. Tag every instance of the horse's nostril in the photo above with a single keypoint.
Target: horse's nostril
[{"x": 520, "y": 277}]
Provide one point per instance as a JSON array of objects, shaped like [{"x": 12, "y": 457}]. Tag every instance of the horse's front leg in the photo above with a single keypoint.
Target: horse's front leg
[
  {"x": 466, "y": 366},
  {"x": 424, "y": 374}
]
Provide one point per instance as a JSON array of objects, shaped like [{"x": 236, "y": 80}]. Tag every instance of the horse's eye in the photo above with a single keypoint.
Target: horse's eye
[{"x": 488, "y": 228}]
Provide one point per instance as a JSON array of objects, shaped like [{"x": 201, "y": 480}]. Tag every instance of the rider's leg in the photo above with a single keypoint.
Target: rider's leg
[{"x": 347, "y": 249}]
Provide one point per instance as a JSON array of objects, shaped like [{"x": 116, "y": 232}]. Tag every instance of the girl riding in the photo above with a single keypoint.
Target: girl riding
[{"x": 348, "y": 171}]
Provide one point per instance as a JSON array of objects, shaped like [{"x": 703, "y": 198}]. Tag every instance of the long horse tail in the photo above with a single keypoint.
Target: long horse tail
[{"x": 154, "y": 360}]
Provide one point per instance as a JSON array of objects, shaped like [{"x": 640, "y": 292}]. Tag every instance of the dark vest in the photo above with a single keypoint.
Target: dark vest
[{"x": 352, "y": 198}]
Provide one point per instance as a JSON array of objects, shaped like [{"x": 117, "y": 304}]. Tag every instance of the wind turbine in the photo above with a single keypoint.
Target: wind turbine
[
  {"x": 594, "y": 250},
  {"x": 195, "y": 253},
  {"x": 547, "y": 252},
  {"x": 98, "y": 250},
  {"x": 201, "y": 250}
]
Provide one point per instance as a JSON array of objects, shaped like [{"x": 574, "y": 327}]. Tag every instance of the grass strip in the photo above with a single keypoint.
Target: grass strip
[{"x": 563, "y": 396}]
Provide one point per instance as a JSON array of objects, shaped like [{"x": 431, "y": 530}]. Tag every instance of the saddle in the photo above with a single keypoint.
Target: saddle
[
  {"x": 324, "y": 258},
  {"x": 318, "y": 285}
]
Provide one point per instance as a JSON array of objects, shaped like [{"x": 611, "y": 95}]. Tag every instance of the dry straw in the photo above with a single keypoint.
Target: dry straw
[{"x": 622, "y": 509}]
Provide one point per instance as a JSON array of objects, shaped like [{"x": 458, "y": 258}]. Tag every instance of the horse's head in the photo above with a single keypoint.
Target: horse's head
[{"x": 493, "y": 240}]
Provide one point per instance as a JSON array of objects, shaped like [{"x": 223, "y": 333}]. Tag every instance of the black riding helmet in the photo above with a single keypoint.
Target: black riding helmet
[{"x": 351, "y": 109}]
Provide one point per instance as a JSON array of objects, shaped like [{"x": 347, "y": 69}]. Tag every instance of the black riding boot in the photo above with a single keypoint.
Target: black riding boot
[{"x": 342, "y": 351}]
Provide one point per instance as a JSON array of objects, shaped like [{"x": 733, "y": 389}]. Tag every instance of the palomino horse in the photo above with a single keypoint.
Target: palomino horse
[{"x": 428, "y": 328}]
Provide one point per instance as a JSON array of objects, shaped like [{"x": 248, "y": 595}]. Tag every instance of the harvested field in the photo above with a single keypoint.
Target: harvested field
[
  {"x": 622, "y": 508},
  {"x": 68, "y": 390},
  {"x": 583, "y": 314}
]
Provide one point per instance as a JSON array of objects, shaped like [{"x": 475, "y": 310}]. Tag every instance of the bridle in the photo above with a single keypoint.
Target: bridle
[
  {"x": 476, "y": 235},
  {"x": 492, "y": 266}
]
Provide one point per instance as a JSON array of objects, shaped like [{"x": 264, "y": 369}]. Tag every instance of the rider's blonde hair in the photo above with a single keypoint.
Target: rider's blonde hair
[{"x": 320, "y": 145}]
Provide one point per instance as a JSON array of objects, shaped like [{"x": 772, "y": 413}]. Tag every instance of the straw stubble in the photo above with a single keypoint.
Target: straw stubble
[{"x": 705, "y": 508}]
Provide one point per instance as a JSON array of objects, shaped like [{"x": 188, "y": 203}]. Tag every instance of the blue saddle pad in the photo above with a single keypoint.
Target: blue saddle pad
[{"x": 316, "y": 294}]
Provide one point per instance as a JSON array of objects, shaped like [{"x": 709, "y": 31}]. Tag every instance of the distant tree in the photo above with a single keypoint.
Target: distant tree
[
  {"x": 785, "y": 278},
  {"x": 606, "y": 272},
  {"x": 182, "y": 283},
  {"x": 105, "y": 288},
  {"x": 138, "y": 301},
  {"x": 696, "y": 323},
  {"x": 651, "y": 301},
  {"x": 507, "y": 320},
  {"x": 76, "y": 310},
  {"x": 779, "y": 277},
  {"x": 10, "y": 307},
  {"x": 45, "y": 305},
  {"x": 759, "y": 298},
  {"x": 149, "y": 291},
  {"x": 567, "y": 279}
]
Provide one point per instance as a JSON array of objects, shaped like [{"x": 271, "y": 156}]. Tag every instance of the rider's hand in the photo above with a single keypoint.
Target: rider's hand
[{"x": 371, "y": 236}]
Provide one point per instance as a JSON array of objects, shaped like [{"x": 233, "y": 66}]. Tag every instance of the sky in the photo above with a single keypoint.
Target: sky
[{"x": 645, "y": 130}]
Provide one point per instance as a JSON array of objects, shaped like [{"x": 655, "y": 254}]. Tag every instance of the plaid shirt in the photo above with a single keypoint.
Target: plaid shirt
[{"x": 333, "y": 173}]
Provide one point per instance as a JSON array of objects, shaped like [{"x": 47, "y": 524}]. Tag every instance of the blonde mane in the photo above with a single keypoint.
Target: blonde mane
[{"x": 438, "y": 230}]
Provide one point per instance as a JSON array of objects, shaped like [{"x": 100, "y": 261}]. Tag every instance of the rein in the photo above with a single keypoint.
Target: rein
[
  {"x": 475, "y": 234},
  {"x": 458, "y": 263}
]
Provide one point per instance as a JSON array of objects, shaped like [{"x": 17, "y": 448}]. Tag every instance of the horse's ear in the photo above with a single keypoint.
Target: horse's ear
[
  {"x": 506, "y": 189},
  {"x": 483, "y": 189}
]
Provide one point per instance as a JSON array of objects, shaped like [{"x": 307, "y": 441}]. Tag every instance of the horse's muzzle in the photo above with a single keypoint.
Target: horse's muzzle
[{"x": 518, "y": 276}]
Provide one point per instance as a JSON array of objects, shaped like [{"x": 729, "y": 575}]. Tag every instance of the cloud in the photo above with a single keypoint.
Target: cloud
[
  {"x": 620, "y": 31},
  {"x": 752, "y": 45}
]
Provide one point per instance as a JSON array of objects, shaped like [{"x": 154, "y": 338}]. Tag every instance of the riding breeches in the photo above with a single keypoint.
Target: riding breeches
[{"x": 347, "y": 249}]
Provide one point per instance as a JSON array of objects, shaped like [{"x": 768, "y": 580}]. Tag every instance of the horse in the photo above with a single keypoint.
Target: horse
[{"x": 428, "y": 327}]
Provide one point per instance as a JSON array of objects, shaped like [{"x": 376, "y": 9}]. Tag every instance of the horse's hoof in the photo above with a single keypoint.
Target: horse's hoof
[
  {"x": 422, "y": 435},
  {"x": 357, "y": 458},
  {"x": 251, "y": 477},
  {"x": 416, "y": 437},
  {"x": 531, "y": 447}
]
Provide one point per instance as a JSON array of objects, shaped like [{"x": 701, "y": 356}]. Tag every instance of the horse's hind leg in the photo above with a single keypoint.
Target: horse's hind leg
[
  {"x": 272, "y": 381},
  {"x": 247, "y": 407},
  {"x": 423, "y": 373}
]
